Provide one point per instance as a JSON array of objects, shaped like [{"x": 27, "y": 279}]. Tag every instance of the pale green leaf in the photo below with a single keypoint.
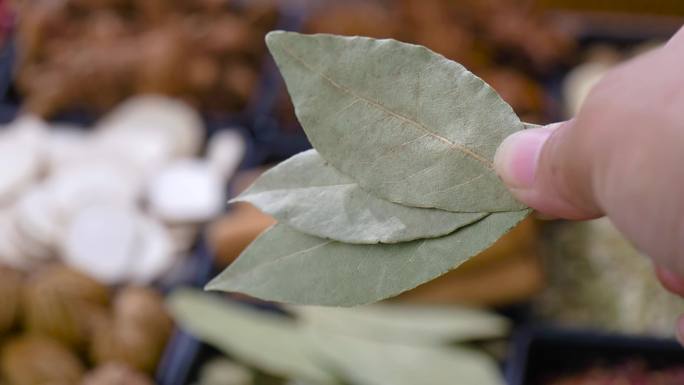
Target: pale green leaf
[
  {"x": 414, "y": 324},
  {"x": 366, "y": 362},
  {"x": 311, "y": 196},
  {"x": 286, "y": 265},
  {"x": 263, "y": 340},
  {"x": 407, "y": 124}
]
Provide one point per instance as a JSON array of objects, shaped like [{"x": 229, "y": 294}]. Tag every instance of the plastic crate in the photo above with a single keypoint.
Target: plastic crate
[{"x": 538, "y": 353}]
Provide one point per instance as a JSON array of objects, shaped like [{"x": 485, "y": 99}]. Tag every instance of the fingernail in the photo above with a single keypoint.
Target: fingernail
[
  {"x": 671, "y": 281},
  {"x": 516, "y": 158}
]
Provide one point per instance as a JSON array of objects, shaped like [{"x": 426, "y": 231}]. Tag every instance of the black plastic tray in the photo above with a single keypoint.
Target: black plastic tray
[{"x": 540, "y": 353}]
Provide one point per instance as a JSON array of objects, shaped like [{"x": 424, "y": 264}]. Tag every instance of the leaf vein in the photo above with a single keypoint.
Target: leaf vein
[
  {"x": 282, "y": 257},
  {"x": 454, "y": 186},
  {"x": 386, "y": 110}
]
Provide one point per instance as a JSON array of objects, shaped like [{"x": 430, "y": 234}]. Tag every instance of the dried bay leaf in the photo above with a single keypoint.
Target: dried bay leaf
[
  {"x": 408, "y": 139},
  {"x": 263, "y": 340},
  {"x": 281, "y": 346},
  {"x": 406, "y": 324},
  {"x": 285, "y": 265},
  {"x": 366, "y": 362},
  {"x": 407, "y": 124},
  {"x": 311, "y": 196}
]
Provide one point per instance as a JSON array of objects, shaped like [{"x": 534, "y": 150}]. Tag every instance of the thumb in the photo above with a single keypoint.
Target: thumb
[
  {"x": 675, "y": 284},
  {"x": 549, "y": 169}
]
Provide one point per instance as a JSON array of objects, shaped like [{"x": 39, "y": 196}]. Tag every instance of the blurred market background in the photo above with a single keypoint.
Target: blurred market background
[{"x": 128, "y": 124}]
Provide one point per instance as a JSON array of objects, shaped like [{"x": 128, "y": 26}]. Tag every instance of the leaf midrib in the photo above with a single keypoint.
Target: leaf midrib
[
  {"x": 256, "y": 268},
  {"x": 453, "y": 145}
]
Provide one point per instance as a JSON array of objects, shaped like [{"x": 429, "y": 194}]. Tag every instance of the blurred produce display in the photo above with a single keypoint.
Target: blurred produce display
[
  {"x": 91, "y": 55},
  {"x": 64, "y": 322},
  {"x": 93, "y": 218},
  {"x": 628, "y": 373},
  {"x": 33, "y": 360},
  {"x": 123, "y": 202},
  {"x": 136, "y": 333},
  {"x": 115, "y": 374},
  {"x": 598, "y": 280},
  {"x": 64, "y": 304},
  {"x": 87, "y": 216}
]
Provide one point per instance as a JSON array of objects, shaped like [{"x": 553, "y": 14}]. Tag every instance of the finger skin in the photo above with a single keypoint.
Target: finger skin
[
  {"x": 680, "y": 329},
  {"x": 562, "y": 186},
  {"x": 621, "y": 156},
  {"x": 672, "y": 282}
]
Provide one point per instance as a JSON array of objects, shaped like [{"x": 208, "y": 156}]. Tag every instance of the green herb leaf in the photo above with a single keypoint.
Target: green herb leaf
[
  {"x": 311, "y": 196},
  {"x": 409, "y": 324},
  {"x": 367, "y": 362},
  {"x": 407, "y": 124},
  {"x": 285, "y": 265},
  {"x": 263, "y": 340},
  {"x": 283, "y": 347}
]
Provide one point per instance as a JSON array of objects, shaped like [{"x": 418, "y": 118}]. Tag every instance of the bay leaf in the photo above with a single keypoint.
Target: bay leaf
[
  {"x": 285, "y": 265},
  {"x": 280, "y": 346},
  {"x": 366, "y": 362},
  {"x": 407, "y": 124},
  {"x": 311, "y": 196},
  {"x": 411, "y": 324},
  {"x": 267, "y": 341}
]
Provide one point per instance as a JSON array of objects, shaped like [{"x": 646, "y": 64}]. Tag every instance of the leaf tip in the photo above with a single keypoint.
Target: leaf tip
[
  {"x": 220, "y": 283},
  {"x": 274, "y": 37},
  {"x": 211, "y": 286}
]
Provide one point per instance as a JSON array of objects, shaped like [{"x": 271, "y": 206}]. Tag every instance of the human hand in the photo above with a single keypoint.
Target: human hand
[{"x": 622, "y": 156}]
